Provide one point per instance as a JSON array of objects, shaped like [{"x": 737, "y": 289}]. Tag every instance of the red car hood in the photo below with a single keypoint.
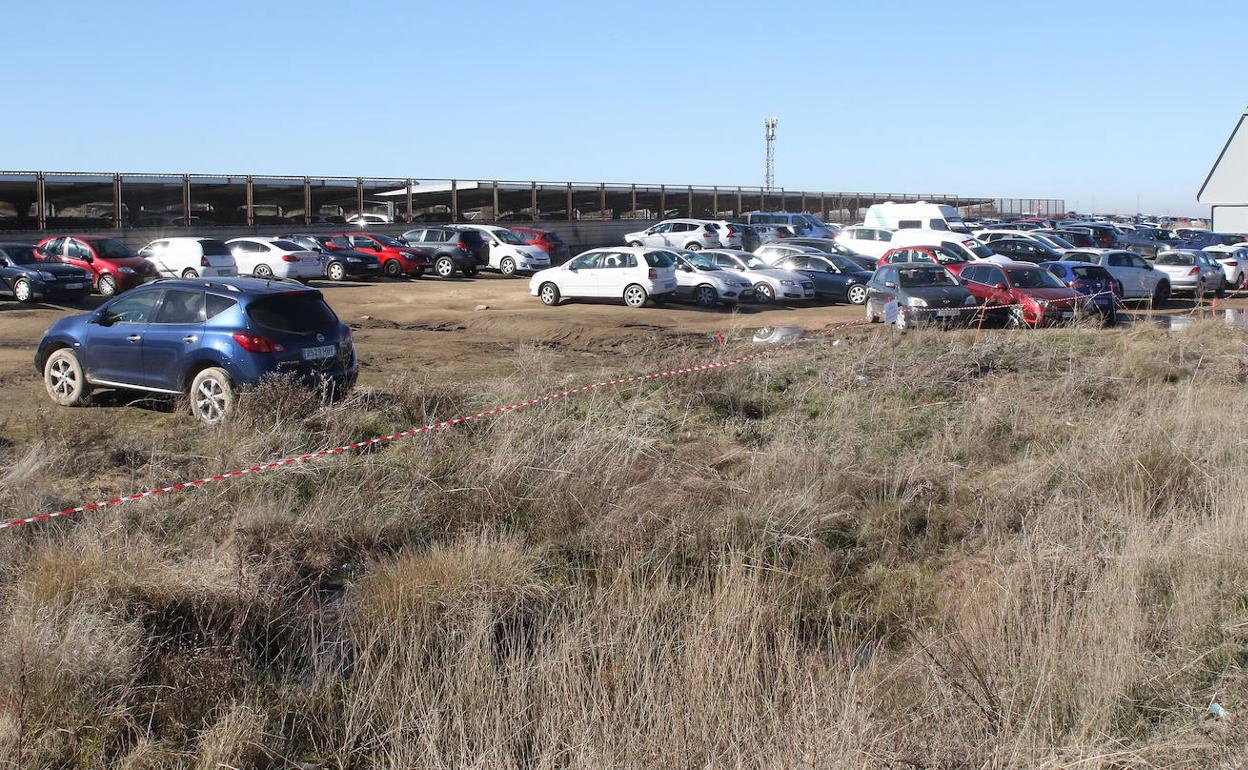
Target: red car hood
[{"x": 1061, "y": 296}]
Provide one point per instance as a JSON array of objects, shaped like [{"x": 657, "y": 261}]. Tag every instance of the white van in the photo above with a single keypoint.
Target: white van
[
  {"x": 968, "y": 246},
  {"x": 914, "y": 216}
]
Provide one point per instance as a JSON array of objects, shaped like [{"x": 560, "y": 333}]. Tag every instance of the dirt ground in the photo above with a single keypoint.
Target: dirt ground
[{"x": 463, "y": 330}]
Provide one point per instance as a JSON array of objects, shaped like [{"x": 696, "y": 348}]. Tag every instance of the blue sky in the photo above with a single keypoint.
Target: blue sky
[{"x": 1095, "y": 102}]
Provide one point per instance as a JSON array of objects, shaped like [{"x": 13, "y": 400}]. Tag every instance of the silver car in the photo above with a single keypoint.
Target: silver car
[
  {"x": 770, "y": 283},
  {"x": 689, "y": 234},
  {"x": 1191, "y": 271}
]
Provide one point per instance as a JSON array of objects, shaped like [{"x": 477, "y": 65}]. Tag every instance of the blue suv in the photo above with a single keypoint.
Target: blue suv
[{"x": 203, "y": 338}]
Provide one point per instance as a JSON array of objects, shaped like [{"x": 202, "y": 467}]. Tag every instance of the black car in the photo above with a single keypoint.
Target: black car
[
  {"x": 1020, "y": 250},
  {"x": 339, "y": 264},
  {"x": 1077, "y": 238},
  {"x": 837, "y": 278},
  {"x": 450, "y": 248},
  {"x": 829, "y": 246},
  {"x": 920, "y": 294},
  {"x": 26, "y": 277}
]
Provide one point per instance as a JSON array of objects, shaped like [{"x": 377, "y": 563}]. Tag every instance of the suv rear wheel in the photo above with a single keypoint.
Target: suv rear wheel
[
  {"x": 64, "y": 379},
  {"x": 705, "y": 296},
  {"x": 444, "y": 267},
  {"x": 211, "y": 395}
]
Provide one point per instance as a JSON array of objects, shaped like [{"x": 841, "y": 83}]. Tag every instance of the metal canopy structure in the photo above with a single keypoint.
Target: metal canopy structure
[
  {"x": 1226, "y": 187},
  {"x": 40, "y": 200}
]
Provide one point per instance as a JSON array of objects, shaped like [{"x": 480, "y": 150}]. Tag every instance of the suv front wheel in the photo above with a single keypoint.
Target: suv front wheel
[
  {"x": 211, "y": 395},
  {"x": 64, "y": 378}
]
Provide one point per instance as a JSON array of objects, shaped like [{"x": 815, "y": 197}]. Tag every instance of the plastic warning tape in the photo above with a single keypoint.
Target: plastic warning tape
[{"x": 443, "y": 425}]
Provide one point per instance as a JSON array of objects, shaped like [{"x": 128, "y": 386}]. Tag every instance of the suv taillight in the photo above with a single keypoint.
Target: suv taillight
[
  {"x": 461, "y": 246},
  {"x": 731, "y": 232},
  {"x": 253, "y": 343},
  {"x": 1194, "y": 271},
  {"x": 653, "y": 273}
]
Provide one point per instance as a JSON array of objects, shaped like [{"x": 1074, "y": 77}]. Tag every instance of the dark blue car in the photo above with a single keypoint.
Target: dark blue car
[
  {"x": 203, "y": 338},
  {"x": 26, "y": 275},
  {"x": 1090, "y": 280}
]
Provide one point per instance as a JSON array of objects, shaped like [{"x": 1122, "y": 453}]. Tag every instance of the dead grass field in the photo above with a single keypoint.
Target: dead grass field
[{"x": 896, "y": 551}]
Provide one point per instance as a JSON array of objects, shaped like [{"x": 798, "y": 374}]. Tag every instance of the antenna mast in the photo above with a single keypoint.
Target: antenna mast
[{"x": 769, "y": 131}]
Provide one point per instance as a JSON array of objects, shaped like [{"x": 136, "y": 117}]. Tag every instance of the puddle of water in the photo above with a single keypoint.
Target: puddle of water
[{"x": 774, "y": 335}]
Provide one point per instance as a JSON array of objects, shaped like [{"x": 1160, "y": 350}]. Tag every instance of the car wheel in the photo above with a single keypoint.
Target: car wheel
[
  {"x": 507, "y": 267},
  {"x": 63, "y": 377},
  {"x": 190, "y": 272},
  {"x": 705, "y": 296},
  {"x": 903, "y": 322},
  {"x": 857, "y": 294},
  {"x": 22, "y": 291},
  {"x": 262, "y": 271},
  {"x": 1161, "y": 293},
  {"x": 444, "y": 267},
  {"x": 549, "y": 294},
  {"x": 106, "y": 286},
  {"x": 1221, "y": 292},
  {"x": 872, "y": 318},
  {"x": 635, "y": 244},
  {"x": 392, "y": 269},
  {"x": 211, "y": 395},
  {"x": 336, "y": 271},
  {"x": 764, "y": 294},
  {"x": 1239, "y": 282},
  {"x": 1016, "y": 319},
  {"x": 695, "y": 246},
  {"x": 634, "y": 295}
]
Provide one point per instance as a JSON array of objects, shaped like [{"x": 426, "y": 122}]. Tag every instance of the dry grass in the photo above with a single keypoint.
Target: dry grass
[{"x": 902, "y": 551}]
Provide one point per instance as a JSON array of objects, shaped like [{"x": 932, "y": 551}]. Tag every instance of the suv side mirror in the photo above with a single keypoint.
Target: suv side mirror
[
  {"x": 103, "y": 318},
  {"x": 1001, "y": 287}
]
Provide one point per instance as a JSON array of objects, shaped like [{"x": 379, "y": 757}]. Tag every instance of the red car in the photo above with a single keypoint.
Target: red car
[
  {"x": 396, "y": 259},
  {"x": 547, "y": 241},
  {"x": 1036, "y": 295},
  {"x": 114, "y": 267},
  {"x": 942, "y": 256}
]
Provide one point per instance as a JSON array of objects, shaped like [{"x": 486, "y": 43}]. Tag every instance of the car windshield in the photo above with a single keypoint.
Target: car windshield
[
  {"x": 1059, "y": 242},
  {"x": 844, "y": 264},
  {"x": 111, "y": 248},
  {"x": 659, "y": 259},
  {"x": 700, "y": 262},
  {"x": 507, "y": 236},
  {"x": 977, "y": 247},
  {"x": 385, "y": 240},
  {"x": 754, "y": 263},
  {"x": 25, "y": 255},
  {"x": 1033, "y": 278},
  {"x": 1093, "y": 272},
  {"x": 947, "y": 256},
  {"x": 811, "y": 221},
  {"x": 298, "y": 312},
  {"x": 1176, "y": 259},
  {"x": 925, "y": 276}
]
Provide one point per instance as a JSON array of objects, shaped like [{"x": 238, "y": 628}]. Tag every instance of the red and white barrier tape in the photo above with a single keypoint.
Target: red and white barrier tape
[{"x": 289, "y": 461}]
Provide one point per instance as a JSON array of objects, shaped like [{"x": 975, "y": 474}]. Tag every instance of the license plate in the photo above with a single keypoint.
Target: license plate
[
  {"x": 73, "y": 286},
  {"x": 1068, "y": 314},
  {"x": 319, "y": 352},
  {"x": 946, "y": 313}
]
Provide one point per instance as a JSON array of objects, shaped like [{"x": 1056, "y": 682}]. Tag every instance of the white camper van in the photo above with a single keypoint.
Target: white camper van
[{"x": 914, "y": 216}]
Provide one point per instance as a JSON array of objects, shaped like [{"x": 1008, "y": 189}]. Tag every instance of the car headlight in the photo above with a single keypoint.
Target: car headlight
[
  {"x": 126, "y": 270},
  {"x": 353, "y": 259},
  {"x": 970, "y": 300},
  {"x": 916, "y": 302},
  {"x": 787, "y": 282}
]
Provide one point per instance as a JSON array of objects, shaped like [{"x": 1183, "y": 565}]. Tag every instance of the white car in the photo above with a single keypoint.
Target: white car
[
  {"x": 1191, "y": 271},
  {"x": 700, "y": 280},
  {"x": 770, "y": 283},
  {"x": 729, "y": 233},
  {"x": 508, "y": 253},
  {"x": 868, "y": 241},
  {"x": 1234, "y": 262},
  {"x": 688, "y": 234},
  {"x": 619, "y": 272},
  {"x": 1139, "y": 279},
  {"x": 368, "y": 220},
  {"x": 771, "y": 253},
  {"x": 268, "y": 257},
  {"x": 190, "y": 258}
]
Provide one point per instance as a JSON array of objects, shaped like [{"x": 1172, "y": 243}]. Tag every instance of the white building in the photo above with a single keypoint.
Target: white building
[{"x": 1226, "y": 187}]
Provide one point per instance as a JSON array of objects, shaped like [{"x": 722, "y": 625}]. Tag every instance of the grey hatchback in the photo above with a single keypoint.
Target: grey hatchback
[{"x": 923, "y": 294}]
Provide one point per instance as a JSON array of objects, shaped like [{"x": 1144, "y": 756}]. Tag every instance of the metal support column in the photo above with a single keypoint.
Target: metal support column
[
  {"x": 359, "y": 199},
  {"x": 823, "y": 206},
  {"x": 495, "y": 200},
  {"x": 186, "y": 200},
  {"x": 803, "y": 203},
  {"x": 632, "y": 200},
  {"x": 117, "y": 201},
  {"x": 783, "y": 207},
  {"x": 454, "y": 200},
  {"x": 251, "y": 203},
  {"x": 569, "y": 201},
  {"x": 662, "y": 201},
  {"x": 410, "y": 211},
  {"x": 41, "y": 202},
  {"x": 691, "y": 214},
  {"x": 715, "y": 201},
  {"x": 602, "y": 201},
  {"x": 307, "y": 201},
  {"x": 740, "y": 205}
]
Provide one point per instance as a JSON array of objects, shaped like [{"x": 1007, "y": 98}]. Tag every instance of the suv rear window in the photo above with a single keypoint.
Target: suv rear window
[
  {"x": 214, "y": 248},
  {"x": 298, "y": 312}
]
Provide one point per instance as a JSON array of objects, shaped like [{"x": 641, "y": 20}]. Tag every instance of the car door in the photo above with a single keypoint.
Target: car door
[
  {"x": 244, "y": 253},
  {"x": 113, "y": 351},
  {"x": 613, "y": 274},
  {"x": 79, "y": 254},
  {"x": 881, "y": 289},
  {"x": 8, "y": 274},
  {"x": 1120, "y": 266},
  {"x": 171, "y": 338},
  {"x": 655, "y": 236},
  {"x": 155, "y": 253},
  {"x": 994, "y": 281},
  {"x": 836, "y": 282},
  {"x": 578, "y": 279}
]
